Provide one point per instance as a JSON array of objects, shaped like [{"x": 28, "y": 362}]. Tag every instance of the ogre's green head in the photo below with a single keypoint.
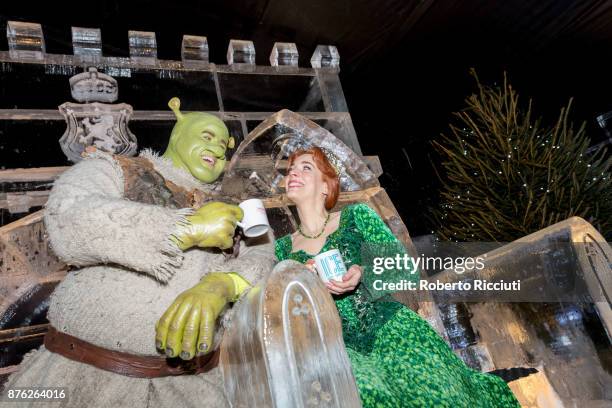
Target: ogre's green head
[{"x": 198, "y": 143}]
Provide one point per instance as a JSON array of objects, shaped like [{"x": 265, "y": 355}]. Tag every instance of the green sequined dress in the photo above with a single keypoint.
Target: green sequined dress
[{"x": 398, "y": 360}]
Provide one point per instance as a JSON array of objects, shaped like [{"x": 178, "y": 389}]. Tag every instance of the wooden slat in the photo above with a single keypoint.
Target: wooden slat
[
  {"x": 31, "y": 174},
  {"x": 257, "y": 162},
  {"x": 52, "y": 173},
  {"x": 19, "y": 338},
  {"x": 54, "y": 277},
  {"x": 21, "y": 202},
  {"x": 280, "y": 200},
  {"x": 24, "y": 330},
  {"x": 26, "y": 221}
]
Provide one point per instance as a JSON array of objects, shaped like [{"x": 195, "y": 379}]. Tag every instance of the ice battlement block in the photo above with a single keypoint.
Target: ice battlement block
[
  {"x": 25, "y": 40},
  {"x": 325, "y": 56},
  {"x": 241, "y": 52},
  {"x": 143, "y": 47},
  {"x": 87, "y": 43},
  {"x": 194, "y": 49},
  {"x": 284, "y": 54}
]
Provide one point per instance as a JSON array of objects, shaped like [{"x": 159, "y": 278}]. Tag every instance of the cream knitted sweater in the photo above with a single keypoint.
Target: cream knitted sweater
[{"x": 129, "y": 270}]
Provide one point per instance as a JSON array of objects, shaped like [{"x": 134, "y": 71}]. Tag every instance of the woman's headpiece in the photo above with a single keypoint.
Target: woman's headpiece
[
  {"x": 333, "y": 160},
  {"x": 288, "y": 143}
]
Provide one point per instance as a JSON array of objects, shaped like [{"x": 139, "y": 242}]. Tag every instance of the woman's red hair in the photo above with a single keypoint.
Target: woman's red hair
[{"x": 329, "y": 173}]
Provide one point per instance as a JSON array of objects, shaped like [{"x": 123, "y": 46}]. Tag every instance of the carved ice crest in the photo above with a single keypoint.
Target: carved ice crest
[{"x": 101, "y": 125}]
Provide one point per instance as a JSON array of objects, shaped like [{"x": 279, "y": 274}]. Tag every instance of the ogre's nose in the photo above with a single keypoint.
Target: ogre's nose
[{"x": 217, "y": 149}]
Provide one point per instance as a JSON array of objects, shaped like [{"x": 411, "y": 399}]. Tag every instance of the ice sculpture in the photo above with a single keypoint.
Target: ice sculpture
[
  {"x": 194, "y": 49},
  {"x": 25, "y": 40},
  {"x": 241, "y": 52},
  {"x": 325, "y": 56},
  {"x": 143, "y": 47},
  {"x": 93, "y": 86},
  {"x": 560, "y": 320},
  {"x": 256, "y": 169},
  {"x": 284, "y": 54},
  {"x": 101, "y": 125},
  {"x": 289, "y": 332},
  {"x": 87, "y": 43}
]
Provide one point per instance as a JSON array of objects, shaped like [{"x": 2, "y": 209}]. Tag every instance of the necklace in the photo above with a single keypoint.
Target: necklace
[{"x": 317, "y": 235}]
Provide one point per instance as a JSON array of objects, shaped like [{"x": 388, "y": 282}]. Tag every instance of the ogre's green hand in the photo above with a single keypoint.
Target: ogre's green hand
[
  {"x": 189, "y": 323},
  {"x": 212, "y": 225}
]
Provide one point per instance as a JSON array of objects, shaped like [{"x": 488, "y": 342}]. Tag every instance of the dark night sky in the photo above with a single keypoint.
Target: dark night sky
[{"x": 404, "y": 63}]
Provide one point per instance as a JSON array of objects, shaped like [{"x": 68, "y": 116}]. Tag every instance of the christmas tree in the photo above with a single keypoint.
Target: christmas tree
[{"x": 505, "y": 175}]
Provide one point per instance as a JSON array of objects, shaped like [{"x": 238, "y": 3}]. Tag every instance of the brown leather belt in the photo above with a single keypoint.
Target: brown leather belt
[{"x": 130, "y": 365}]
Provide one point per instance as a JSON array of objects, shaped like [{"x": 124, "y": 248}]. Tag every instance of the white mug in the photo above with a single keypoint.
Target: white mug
[
  {"x": 255, "y": 221},
  {"x": 330, "y": 265}
]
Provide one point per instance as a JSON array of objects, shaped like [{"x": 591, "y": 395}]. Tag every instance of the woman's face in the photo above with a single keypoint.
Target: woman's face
[{"x": 304, "y": 181}]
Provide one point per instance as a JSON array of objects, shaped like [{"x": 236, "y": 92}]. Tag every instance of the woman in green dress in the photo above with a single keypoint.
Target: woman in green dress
[{"x": 398, "y": 360}]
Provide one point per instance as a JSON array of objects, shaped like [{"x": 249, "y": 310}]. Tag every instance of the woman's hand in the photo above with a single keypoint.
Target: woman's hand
[{"x": 349, "y": 281}]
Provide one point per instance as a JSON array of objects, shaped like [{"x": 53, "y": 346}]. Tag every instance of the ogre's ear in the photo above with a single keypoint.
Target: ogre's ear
[
  {"x": 230, "y": 143},
  {"x": 175, "y": 105}
]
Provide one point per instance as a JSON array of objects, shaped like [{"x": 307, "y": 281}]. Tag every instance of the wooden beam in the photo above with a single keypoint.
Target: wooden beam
[
  {"x": 52, "y": 173},
  {"x": 20, "y": 337},
  {"x": 24, "y": 222},
  {"x": 21, "y": 202},
  {"x": 31, "y": 174},
  {"x": 280, "y": 200},
  {"x": 23, "y": 331}
]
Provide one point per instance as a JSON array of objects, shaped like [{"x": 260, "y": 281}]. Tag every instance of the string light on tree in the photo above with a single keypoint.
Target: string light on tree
[{"x": 520, "y": 175}]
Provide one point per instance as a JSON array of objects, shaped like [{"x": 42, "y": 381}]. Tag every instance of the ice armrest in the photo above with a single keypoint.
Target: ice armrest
[{"x": 285, "y": 348}]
